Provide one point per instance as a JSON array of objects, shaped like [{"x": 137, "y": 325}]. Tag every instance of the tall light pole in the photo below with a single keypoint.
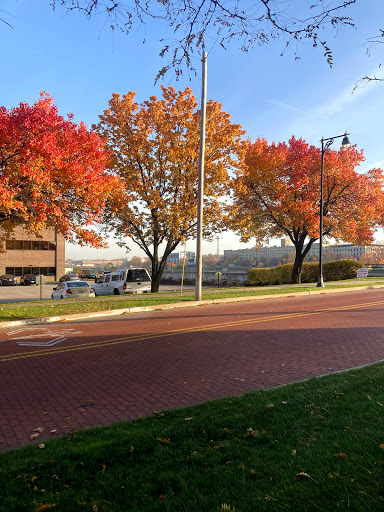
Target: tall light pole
[
  {"x": 200, "y": 192},
  {"x": 328, "y": 142}
]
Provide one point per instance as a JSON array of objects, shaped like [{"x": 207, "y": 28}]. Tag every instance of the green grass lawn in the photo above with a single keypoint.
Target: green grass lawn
[
  {"x": 312, "y": 446},
  {"x": 19, "y": 311}
]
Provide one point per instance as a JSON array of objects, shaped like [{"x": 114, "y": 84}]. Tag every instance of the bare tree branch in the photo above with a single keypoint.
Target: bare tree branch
[
  {"x": 194, "y": 23},
  {"x": 365, "y": 80}
]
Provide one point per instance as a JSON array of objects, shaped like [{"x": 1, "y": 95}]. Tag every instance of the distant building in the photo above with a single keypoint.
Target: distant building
[
  {"x": 178, "y": 257},
  {"x": 354, "y": 252},
  {"x": 95, "y": 263},
  {"x": 267, "y": 255},
  {"x": 273, "y": 255},
  {"x": 28, "y": 254}
]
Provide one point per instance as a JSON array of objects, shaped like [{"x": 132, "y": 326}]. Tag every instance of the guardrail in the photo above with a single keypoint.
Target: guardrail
[{"x": 376, "y": 272}]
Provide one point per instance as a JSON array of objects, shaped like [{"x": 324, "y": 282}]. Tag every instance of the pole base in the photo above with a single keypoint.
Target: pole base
[{"x": 320, "y": 282}]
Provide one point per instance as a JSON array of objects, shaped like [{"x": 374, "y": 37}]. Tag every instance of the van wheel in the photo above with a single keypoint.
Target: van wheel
[{"x": 116, "y": 292}]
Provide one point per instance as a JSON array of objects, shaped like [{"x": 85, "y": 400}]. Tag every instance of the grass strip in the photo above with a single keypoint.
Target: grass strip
[
  {"x": 21, "y": 311},
  {"x": 311, "y": 446}
]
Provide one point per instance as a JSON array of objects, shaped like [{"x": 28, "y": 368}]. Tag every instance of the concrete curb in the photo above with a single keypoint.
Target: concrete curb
[{"x": 177, "y": 305}]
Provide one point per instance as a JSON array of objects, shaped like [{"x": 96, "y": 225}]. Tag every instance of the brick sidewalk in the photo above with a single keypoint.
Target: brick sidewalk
[{"x": 94, "y": 373}]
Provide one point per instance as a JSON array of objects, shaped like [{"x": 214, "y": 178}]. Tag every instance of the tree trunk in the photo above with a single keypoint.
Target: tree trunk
[
  {"x": 300, "y": 255},
  {"x": 297, "y": 267},
  {"x": 158, "y": 268},
  {"x": 156, "y": 278},
  {"x": 155, "y": 265}
]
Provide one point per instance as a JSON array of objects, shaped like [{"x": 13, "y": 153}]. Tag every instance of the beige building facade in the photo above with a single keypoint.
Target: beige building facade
[{"x": 27, "y": 254}]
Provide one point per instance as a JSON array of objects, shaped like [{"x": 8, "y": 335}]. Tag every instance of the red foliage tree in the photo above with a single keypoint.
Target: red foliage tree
[
  {"x": 52, "y": 173},
  {"x": 277, "y": 193}
]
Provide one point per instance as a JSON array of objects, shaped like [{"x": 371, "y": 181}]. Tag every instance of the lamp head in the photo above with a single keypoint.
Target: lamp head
[{"x": 345, "y": 143}]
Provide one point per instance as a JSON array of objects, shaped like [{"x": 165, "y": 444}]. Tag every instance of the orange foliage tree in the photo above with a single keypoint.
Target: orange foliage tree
[
  {"x": 156, "y": 154},
  {"x": 277, "y": 193},
  {"x": 52, "y": 173},
  {"x": 375, "y": 256}
]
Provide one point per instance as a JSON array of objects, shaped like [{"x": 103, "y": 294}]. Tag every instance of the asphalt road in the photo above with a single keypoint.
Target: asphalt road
[{"x": 63, "y": 377}]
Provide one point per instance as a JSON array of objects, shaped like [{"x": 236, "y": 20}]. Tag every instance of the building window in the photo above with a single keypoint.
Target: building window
[
  {"x": 20, "y": 271},
  {"x": 28, "y": 245}
]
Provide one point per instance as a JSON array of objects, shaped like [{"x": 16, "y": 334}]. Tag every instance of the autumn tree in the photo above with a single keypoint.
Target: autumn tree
[
  {"x": 193, "y": 23},
  {"x": 209, "y": 260},
  {"x": 277, "y": 194},
  {"x": 52, "y": 173},
  {"x": 375, "y": 256},
  {"x": 135, "y": 261},
  {"x": 156, "y": 153}
]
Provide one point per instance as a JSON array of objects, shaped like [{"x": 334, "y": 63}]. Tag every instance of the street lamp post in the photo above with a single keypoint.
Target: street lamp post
[{"x": 328, "y": 142}]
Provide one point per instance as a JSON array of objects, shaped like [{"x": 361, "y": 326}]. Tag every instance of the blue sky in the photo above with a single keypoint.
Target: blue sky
[{"x": 81, "y": 63}]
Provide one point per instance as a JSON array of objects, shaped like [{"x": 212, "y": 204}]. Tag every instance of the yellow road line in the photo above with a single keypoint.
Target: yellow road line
[{"x": 142, "y": 337}]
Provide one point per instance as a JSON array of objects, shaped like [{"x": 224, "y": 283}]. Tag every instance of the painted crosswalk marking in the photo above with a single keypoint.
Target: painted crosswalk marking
[
  {"x": 34, "y": 339},
  {"x": 50, "y": 343}
]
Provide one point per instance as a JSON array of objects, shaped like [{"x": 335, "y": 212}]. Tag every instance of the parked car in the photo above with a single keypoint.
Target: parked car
[
  {"x": 124, "y": 281},
  {"x": 99, "y": 277},
  {"x": 72, "y": 290},
  {"x": 27, "y": 279},
  {"x": 8, "y": 280},
  {"x": 71, "y": 276},
  {"x": 87, "y": 274}
]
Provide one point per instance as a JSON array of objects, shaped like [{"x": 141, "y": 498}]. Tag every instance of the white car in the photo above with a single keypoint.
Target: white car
[
  {"x": 73, "y": 290},
  {"x": 123, "y": 281}
]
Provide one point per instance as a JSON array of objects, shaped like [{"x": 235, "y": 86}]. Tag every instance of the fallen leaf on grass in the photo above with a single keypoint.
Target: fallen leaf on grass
[
  {"x": 41, "y": 446},
  {"x": 270, "y": 405},
  {"x": 302, "y": 474},
  {"x": 382, "y": 446},
  {"x": 226, "y": 508},
  {"x": 44, "y": 506},
  {"x": 341, "y": 455},
  {"x": 166, "y": 441}
]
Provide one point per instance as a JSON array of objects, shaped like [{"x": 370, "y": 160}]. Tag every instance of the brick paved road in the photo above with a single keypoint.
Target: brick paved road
[{"x": 74, "y": 375}]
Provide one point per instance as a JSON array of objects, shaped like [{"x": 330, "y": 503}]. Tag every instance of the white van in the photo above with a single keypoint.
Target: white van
[{"x": 124, "y": 281}]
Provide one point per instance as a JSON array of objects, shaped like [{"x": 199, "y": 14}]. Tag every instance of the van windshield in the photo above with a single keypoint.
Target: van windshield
[{"x": 137, "y": 275}]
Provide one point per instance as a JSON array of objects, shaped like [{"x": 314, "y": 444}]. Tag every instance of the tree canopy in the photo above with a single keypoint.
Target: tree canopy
[
  {"x": 277, "y": 193},
  {"x": 156, "y": 156},
  {"x": 52, "y": 173},
  {"x": 197, "y": 24}
]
